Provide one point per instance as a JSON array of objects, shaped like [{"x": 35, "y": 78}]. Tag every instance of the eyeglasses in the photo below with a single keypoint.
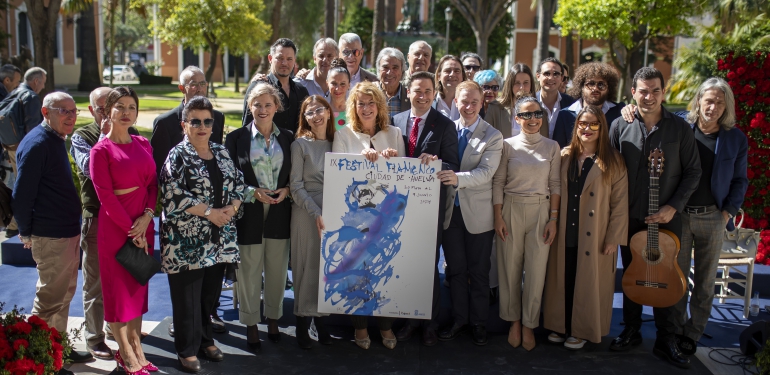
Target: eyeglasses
[
  {"x": 551, "y": 74},
  {"x": 318, "y": 112},
  {"x": 565, "y": 78},
  {"x": 354, "y": 52},
  {"x": 590, "y": 125},
  {"x": 196, "y": 123},
  {"x": 528, "y": 115},
  {"x": 474, "y": 68},
  {"x": 99, "y": 110},
  {"x": 601, "y": 86},
  {"x": 494, "y": 88},
  {"x": 200, "y": 84},
  {"x": 65, "y": 112}
]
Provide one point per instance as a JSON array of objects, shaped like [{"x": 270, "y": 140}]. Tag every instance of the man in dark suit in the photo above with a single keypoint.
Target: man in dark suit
[
  {"x": 282, "y": 59},
  {"x": 549, "y": 75},
  {"x": 593, "y": 84},
  {"x": 428, "y": 135},
  {"x": 167, "y": 133},
  {"x": 167, "y": 128}
]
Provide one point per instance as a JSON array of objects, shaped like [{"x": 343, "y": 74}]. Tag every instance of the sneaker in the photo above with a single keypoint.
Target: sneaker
[
  {"x": 555, "y": 338},
  {"x": 574, "y": 343}
]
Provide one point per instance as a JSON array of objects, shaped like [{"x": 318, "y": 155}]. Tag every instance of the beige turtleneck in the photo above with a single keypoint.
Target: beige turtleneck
[{"x": 530, "y": 166}]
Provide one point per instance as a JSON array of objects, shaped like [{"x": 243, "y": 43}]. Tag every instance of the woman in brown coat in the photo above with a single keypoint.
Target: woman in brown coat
[{"x": 580, "y": 278}]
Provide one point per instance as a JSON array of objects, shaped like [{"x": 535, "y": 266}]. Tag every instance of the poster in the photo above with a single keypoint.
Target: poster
[{"x": 378, "y": 250}]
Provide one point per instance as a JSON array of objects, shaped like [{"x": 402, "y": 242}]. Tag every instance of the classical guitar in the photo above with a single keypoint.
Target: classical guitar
[{"x": 653, "y": 278}]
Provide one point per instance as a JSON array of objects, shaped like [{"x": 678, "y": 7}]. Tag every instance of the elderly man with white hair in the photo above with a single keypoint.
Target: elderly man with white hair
[
  {"x": 324, "y": 52},
  {"x": 419, "y": 57},
  {"x": 390, "y": 67},
  {"x": 352, "y": 51},
  {"x": 47, "y": 209}
]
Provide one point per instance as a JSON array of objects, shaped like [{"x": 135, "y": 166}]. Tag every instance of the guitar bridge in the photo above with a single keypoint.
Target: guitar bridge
[{"x": 651, "y": 284}]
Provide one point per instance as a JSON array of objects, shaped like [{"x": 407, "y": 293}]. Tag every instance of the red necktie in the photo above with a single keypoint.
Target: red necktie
[{"x": 413, "y": 136}]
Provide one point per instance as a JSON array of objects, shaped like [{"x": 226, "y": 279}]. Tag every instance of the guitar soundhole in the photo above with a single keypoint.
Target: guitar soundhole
[{"x": 653, "y": 256}]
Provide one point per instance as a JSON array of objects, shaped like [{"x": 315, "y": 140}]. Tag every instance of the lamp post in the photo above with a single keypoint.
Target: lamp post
[{"x": 448, "y": 17}]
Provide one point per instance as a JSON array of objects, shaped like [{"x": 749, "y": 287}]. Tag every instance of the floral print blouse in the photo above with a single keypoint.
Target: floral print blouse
[
  {"x": 186, "y": 239},
  {"x": 266, "y": 160}
]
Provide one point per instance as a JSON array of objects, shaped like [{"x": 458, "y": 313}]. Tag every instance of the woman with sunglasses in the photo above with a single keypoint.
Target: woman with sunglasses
[
  {"x": 124, "y": 178},
  {"x": 580, "y": 281},
  {"x": 201, "y": 195},
  {"x": 519, "y": 80},
  {"x": 314, "y": 139},
  {"x": 471, "y": 63},
  {"x": 261, "y": 152},
  {"x": 525, "y": 189}
]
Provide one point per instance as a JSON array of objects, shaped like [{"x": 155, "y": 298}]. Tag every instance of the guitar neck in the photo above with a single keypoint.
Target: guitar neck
[{"x": 652, "y": 229}]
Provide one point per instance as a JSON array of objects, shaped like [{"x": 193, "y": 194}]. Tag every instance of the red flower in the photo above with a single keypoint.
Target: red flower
[
  {"x": 40, "y": 369},
  {"x": 767, "y": 210},
  {"x": 763, "y": 224},
  {"x": 18, "y": 343},
  {"x": 35, "y": 320},
  {"x": 6, "y": 352},
  {"x": 741, "y": 71},
  {"x": 759, "y": 115},
  {"x": 21, "y": 327},
  {"x": 55, "y": 336},
  {"x": 760, "y": 258},
  {"x": 20, "y": 366}
]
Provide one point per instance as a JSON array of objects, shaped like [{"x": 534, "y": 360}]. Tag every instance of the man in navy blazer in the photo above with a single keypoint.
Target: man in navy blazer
[
  {"x": 593, "y": 84},
  {"x": 428, "y": 135},
  {"x": 550, "y": 73}
]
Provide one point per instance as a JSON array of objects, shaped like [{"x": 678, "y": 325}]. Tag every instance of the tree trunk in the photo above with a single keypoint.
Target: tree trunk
[
  {"x": 482, "y": 18},
  {"x": 224, "y": 76},
  {"x": 237, "y": 74},
  {"x": 329, "y": 19},
  {"x": 377, "y": 27},
  {"x": 275, "y": 23},
  {"x": 123, "y": 7},
  {"x": 570, "y": 60},
  {"x": 89, "y": 63},
  {"x": 213, "y": 51},
  {"x": 390, "y": 15},
  {"x": 482, "y": 42},
  {"x": 112, "y": 38},
  {"x": 42, "y": 21},
  {"x": 543, "y": 29}
]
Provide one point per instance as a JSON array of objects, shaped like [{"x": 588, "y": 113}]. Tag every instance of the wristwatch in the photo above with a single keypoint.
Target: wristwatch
[{"x": 208, "y": 212}]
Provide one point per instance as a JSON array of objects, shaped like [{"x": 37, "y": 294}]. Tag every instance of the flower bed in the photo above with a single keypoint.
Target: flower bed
[{"x": 30, "y": 346}]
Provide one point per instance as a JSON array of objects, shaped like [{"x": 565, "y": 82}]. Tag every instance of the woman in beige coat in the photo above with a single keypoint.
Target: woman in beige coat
[{"x": 580, "y": 278}]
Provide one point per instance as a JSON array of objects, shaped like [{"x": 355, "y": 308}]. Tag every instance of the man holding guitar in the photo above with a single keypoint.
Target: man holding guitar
[{"x": 654, "y": 128}]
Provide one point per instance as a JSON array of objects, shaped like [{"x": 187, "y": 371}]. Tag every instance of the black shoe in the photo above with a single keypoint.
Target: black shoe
[
  {"x": 101, "y": 351},
  {"x": 479, "y": 335},
  {"x": 453, "y": 331},
  {"x": 429, "y": 337},
  {"x": 406, "y": 332},
  {"x": 215, "y": 355},
  {"x": 274, "y": 337},
  {"x": 79, "y": 357},
  {"x": 289, "y": 284},
  {"x": 629, "y": 338},
  {"x": 189, "y": 366},
  {"x": 11, "y": 233},
  {"x": 217, "y": 325},
  {"x": 667, "y": 349},
  {"x": 171, "y": 329},
  {"x": 64, "y": 371},
  {"x": 686, "y": 345},
  {"x": 324, "y": 337},
  {"x": 252, "y": 338},
  {"x": 303, "y": 337}
]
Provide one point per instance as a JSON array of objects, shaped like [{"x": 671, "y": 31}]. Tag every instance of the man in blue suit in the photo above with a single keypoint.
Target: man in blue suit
[
  {"x": 550, "y": 75},
  {"x": 593, "y": 84}
]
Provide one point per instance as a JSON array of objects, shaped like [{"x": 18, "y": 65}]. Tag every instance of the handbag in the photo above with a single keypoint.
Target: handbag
[
  {"x": 138, "y": 263},
  {"x": 740, "y": 242}
]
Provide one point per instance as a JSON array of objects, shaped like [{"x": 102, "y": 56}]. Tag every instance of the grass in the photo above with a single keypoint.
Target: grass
[{"x": 172, "y": 91}]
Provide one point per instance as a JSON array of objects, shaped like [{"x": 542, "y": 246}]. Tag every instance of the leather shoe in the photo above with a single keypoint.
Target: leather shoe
[
  {"x": 252, "y": 338},
  {"x": 452, "y": 332},
  {"x": 9, "y": 233},
  {"x": 213, "y": 355},
  {"x": 479, "y": 335},
  {"x": 189, "y": 366},
  {"x": 406, "y": 332},
  {"x": 629, "y": 338},
  {"x": 217, "y": 325},
  {"x": 79, "y": 357},
  {"x": 667, "y": 349},
  {"x": 171, "y": 329},
  {"x": 101, "y": 351},
  {"x": 429, "y": 337},
  {"x": 64, "y": 371}
]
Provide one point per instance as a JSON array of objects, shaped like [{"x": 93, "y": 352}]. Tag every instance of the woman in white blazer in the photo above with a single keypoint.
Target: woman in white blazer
[{"x": 367, "y": 131}]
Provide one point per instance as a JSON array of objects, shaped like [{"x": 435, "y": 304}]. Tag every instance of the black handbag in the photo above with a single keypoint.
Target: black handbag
[{"x": 138, "y": 263}]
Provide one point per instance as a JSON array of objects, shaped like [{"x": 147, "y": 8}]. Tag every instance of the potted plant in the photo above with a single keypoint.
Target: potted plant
[{"x": 29, "y": 346}]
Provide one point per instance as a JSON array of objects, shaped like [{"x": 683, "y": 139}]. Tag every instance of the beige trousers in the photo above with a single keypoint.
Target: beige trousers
[
  {"x": 524, "y": 252},
  {"x": 93, "y": 303},
  {"x": 57, "y": 269},
  {"x": 272, "y": 257}
]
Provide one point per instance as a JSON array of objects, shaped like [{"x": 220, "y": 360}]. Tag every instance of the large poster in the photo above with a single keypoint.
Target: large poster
[{"x": 378, "y": 250}]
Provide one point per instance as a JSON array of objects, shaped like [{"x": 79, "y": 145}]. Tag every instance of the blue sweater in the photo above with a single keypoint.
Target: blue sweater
[{"x": 45, "y": 202}]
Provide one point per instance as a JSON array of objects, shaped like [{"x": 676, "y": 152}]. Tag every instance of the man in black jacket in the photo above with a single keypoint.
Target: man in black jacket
[
  {"x": 654, "y": 127},
  {"x": 428, "y": 135},
  {"x": 10, "y": 76},
  {"x": 167, "y": 128}
]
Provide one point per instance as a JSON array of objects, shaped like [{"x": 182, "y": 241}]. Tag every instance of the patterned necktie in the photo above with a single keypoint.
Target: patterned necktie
[
  {"x": 462, "y": 143},
  {"x": 413, "y": 136}
]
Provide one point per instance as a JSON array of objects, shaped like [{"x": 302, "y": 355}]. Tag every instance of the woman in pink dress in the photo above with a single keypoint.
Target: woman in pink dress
[{"x": 124, "y": 176}]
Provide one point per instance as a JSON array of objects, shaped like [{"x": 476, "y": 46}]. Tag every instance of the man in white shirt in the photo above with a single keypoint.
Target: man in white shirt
[{"x": 549, "y": 74}]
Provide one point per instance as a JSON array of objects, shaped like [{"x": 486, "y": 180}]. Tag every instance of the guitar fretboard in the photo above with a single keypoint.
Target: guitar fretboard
[{"x": 652, "y": 229}]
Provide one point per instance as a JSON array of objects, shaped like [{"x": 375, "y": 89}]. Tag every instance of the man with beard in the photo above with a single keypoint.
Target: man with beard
[
  {"x": 324, "y": 51},
  {"x": 593, "y": 84}
]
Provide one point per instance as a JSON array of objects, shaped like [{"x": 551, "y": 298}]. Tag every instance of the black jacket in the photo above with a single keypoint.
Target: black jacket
[
  {"x": 167, "y": 133},
  {"x": 438, "y": 137},
  {"x": 289, "y": 117},
  {"x": 565, "y": 123},
  {"x": 251, "y": 226}
]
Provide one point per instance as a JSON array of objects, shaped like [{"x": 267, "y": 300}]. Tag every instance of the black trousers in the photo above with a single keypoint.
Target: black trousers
[
  {"x": 632, "y": 311},
  {"x": 361, "y": 322},
  {"x": 193, "y": 296},
  {"x": 570, "y": 275},
  {"x": 436, "y": 305},
  {"x": 467, "y": 257}
]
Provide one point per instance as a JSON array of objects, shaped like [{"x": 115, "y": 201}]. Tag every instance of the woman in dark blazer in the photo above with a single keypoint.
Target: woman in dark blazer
[{"x": 262, "y": 152}]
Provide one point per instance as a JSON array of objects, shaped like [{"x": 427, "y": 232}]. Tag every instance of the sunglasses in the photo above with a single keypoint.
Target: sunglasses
[
  {"x": 474, "y": 68},
  {"x": 551, "y": 74},
  {"x": 601, "y": 86},
  {"x": 528, "y": 115},
  {"x": 354, "y": 52},
  {"x": 317, "y": 112},
  {"x": 196, "y": 123},
  {"x": 494, "y": 88},
  {"x": 590, "y": 125}
]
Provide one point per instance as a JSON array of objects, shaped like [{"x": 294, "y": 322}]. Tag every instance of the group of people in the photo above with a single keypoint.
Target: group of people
[{"x": 539, "y": 189}]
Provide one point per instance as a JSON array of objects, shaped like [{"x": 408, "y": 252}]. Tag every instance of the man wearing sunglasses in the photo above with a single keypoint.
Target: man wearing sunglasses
[
  {"x": 594, "y": 84},
  {"x": 549, "y": 74},
  {"x": 352, "y": 51}
]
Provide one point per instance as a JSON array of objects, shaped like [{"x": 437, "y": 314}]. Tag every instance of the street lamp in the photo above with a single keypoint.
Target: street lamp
[{"x": 448, "y": 17}]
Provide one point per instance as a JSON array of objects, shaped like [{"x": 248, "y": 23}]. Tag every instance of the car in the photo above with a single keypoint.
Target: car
[{"x": 119, "y": 73}]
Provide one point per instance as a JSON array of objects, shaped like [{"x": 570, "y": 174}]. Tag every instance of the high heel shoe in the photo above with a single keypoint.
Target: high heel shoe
[
  {"x": 324, "y": 337},
  {"x": 274, "y": 337},
  {"x": 389, "y": 343},
  {"x": 303, "y": 337},
  {"x": 252, "y": 338},
  {"x": 122, "y": 364},
  {"x": 149, "y": 367}
]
